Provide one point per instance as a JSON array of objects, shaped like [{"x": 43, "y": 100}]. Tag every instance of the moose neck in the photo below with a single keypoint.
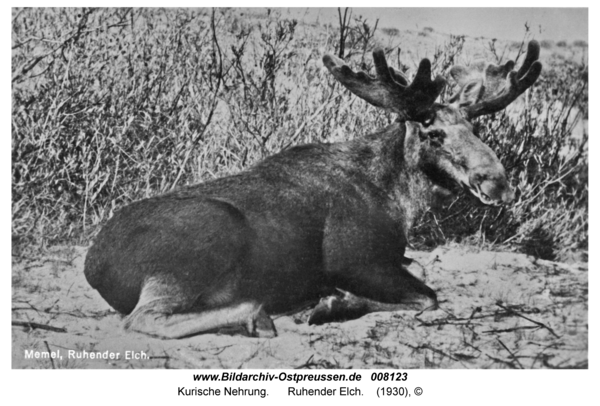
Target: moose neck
[{"x": 382, "y": 157}]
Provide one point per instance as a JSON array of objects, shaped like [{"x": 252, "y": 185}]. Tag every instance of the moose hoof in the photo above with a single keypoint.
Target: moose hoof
[
  {"x": 262, "y": 326},
  {"x": 326, "y": 311}
]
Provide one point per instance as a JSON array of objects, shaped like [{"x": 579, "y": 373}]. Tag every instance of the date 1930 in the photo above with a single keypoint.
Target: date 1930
[
  {"x": 389, "y": 376},
  {"x": 394, "y": 392}
]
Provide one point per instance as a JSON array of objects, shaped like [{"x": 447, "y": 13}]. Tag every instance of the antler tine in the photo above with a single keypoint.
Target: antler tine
[
  {"x": 501, "y": 85},
  {"x": 361, "y": 84},
  {"x": 385, "y": 72},
  {"x": 381, "y": 67},
  {"x": 533, "y": 54},
  {"x": 422, "y": 85},
  {"x": 423, "y": 72},
  {"x": 389, "y": 90}
]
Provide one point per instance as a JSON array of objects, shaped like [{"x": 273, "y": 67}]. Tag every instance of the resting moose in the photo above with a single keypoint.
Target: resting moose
[{"x": 310, "y": 219}]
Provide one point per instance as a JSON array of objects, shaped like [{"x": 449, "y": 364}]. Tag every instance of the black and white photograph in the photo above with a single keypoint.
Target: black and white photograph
[{"x": 299, "y": 188}]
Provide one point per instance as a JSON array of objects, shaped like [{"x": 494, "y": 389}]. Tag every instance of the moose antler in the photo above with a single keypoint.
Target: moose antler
[
  {"x": 495, "y": 86},
  {"x": 390, "y": 89}
]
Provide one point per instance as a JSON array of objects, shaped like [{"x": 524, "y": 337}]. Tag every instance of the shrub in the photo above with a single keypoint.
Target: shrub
[{"x": 113, "y": 105}]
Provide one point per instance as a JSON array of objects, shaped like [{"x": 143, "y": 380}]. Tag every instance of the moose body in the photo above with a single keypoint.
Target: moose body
[{"x": 295, "y": 227}]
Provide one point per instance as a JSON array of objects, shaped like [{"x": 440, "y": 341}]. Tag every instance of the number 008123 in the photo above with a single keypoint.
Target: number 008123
[{"x": 389, "y": 376}]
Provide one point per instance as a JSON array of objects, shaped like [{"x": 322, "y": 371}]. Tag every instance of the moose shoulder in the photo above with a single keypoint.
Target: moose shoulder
[{"x": 309, "y": 220}]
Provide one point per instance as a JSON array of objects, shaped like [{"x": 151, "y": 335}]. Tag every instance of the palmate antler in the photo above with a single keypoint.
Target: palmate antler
[
  {"x": 486, "y": 89},
  {"x": 390, "y": 89}
]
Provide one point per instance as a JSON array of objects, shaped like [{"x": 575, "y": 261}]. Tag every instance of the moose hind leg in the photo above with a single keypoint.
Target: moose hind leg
[{"x": 163, "y": 313}]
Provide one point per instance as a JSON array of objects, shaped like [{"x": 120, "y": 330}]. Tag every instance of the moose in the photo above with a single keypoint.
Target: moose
[{"x": 311, "y": 219}]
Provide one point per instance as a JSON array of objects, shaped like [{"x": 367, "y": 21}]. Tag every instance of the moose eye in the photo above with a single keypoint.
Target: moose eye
[{"x": 429, "y": 120}]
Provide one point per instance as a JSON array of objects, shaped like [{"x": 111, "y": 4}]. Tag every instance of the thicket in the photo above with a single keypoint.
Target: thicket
[{"x": 114, "y": 105}]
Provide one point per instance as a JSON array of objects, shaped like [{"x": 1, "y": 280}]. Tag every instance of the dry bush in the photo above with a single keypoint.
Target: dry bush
[{"x": 113, "y": 105}]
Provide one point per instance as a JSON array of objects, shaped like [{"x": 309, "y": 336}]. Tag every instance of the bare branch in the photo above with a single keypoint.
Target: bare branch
[{"x": 33, "y": 325}]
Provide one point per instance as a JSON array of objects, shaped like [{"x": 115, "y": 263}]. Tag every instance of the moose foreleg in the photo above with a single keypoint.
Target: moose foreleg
[
  {"x": 364, "y": 257},
  {"x": 387, "y": 284},
  {"x": 348, "y": 307}
]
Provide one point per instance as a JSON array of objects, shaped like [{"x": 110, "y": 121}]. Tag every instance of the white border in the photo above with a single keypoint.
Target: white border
[{"x": 441, "y": 386}]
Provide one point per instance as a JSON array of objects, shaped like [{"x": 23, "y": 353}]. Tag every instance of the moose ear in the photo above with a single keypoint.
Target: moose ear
[{"x": 469, "y": 94}]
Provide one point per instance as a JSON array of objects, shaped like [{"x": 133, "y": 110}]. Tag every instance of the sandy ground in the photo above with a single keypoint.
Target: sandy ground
[{"x": 497, "y": 310}]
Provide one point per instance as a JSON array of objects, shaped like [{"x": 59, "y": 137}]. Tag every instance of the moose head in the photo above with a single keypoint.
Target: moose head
[{"x": 440, "y": 138}]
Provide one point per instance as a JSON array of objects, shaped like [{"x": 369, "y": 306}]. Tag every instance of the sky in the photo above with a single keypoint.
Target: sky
[{"x": 503, "y": 23}]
